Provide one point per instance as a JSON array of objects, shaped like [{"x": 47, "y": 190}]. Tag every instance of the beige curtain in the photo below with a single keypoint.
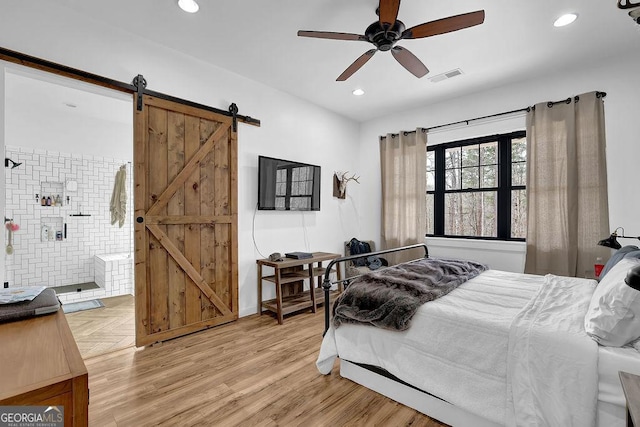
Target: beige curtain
[
  {"x": 567, "y": 187},
  {"x": 403, "y": 160}
]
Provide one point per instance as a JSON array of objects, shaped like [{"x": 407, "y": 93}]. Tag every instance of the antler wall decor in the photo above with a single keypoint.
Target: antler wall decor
[{"x": 340, "y": 180}]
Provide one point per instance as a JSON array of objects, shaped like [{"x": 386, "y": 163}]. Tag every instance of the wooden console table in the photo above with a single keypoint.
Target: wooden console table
[
  {"x": 289, "y": 276},
  {"x": 40, "y": 365}
]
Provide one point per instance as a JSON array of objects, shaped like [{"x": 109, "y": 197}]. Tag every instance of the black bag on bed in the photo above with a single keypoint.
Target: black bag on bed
[{"x": 356, "y": 247}]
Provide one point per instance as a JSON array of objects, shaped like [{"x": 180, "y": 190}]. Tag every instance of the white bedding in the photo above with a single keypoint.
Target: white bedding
[
  {"x": 465, "y": 358},
  {"x": 552, "y": 371}
]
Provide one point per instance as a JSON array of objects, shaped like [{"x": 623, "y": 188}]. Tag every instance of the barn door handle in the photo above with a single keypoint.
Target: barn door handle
[{"x": 139, "y": 220}]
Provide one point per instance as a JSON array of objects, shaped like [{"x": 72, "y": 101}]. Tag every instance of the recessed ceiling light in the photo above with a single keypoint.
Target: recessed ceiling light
[
  {"x": 565, "y": 19},
  {"x": 358, "y": 92},
  {"x": 188, "y": 5}
]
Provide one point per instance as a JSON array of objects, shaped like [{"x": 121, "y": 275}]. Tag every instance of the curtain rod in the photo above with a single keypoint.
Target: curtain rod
[{"x": 519, "y": 110}]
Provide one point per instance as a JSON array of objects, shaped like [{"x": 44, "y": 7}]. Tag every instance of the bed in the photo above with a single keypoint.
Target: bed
[{"x": 500, "y": 349}]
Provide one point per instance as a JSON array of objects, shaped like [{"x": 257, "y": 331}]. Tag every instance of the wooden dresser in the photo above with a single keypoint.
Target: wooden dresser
[{"x": 40, "y": 365}]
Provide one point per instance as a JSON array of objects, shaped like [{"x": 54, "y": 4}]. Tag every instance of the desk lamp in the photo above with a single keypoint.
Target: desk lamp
[{"x": 612, "y": 240}]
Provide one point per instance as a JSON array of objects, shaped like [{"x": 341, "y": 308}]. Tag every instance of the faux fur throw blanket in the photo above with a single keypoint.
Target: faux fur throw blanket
[{"x": 389, "y": 298}]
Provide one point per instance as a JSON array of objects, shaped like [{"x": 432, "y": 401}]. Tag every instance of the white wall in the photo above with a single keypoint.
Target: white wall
[
  {"x": 291, "y": 128},
  {"x": 618, "y": 78}
]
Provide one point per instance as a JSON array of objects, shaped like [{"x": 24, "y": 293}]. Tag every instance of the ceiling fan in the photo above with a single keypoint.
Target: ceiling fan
[{"x": 388, "y": 30}]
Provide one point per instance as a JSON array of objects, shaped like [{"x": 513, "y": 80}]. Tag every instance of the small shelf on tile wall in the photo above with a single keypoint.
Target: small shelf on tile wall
[
  {"x": 51, "y": 194},
  {"x": 52, "y": 229}
]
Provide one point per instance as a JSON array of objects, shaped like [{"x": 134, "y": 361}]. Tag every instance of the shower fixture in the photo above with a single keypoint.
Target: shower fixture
[{"x": 14, "y": 164}]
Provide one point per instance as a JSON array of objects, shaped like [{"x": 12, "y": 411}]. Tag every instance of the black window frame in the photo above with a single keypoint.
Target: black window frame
[{"x": 504, "y": 185}]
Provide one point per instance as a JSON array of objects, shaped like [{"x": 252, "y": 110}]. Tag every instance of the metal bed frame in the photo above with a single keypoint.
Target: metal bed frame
[
  {"x": 327, "y": 283},
  {"x": 382, "y": 382}
]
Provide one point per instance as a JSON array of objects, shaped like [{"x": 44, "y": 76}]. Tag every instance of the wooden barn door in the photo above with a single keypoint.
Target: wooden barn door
[{"x": 186, "y": 274}]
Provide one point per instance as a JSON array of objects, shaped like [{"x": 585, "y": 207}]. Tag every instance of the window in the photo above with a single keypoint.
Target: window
[
  {"x": 477, "y": 188},
  {"x": 294, "y": 187}
]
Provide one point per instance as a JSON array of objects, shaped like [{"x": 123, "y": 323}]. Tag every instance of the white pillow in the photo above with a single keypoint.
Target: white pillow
[{"x": 613, "y": 318}]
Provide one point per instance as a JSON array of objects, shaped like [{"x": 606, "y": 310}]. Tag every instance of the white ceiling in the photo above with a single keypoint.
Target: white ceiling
[{"x": 257, "y": 39}]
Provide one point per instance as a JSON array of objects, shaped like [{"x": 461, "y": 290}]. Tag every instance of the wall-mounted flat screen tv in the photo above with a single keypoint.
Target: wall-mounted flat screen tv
[{"x": 285, "y": 185}]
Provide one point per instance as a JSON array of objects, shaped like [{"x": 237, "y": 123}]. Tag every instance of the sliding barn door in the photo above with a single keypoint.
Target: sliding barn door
[{"x": 186, "y": 250}]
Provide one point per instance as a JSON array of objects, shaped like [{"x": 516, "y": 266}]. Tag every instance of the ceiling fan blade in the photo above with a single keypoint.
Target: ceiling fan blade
[
  {"x": 330, "y": 35},
  {"x": 445, "y": 25},
  {"x": 388, "y": 11},
  {"x": 409, "y": 61},
  {"x": 357, "y": 64}
]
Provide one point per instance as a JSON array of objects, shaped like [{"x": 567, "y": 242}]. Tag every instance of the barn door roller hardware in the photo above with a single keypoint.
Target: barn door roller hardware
[
  {"x": 233, "y": 109},
  {"x": 140, "y": 84}
]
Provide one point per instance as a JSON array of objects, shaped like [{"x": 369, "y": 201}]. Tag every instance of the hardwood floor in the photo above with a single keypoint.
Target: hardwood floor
[
  {"x": 252, "y": 372},
  {"x": 105, "y": 329}
]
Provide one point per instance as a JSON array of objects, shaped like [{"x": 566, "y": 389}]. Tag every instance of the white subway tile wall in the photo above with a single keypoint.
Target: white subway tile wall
[{"x": 39, "y": 261}]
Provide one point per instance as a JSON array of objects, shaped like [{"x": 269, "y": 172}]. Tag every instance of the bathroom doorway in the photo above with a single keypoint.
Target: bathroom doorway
[{"x": 72, "y": 142}]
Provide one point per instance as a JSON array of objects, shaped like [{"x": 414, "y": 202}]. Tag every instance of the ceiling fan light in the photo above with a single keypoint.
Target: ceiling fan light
[
  {"x": 189, "y": 6},
  {"x": 565, "y": 20},
  {"x": 358, "y": 92}
]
